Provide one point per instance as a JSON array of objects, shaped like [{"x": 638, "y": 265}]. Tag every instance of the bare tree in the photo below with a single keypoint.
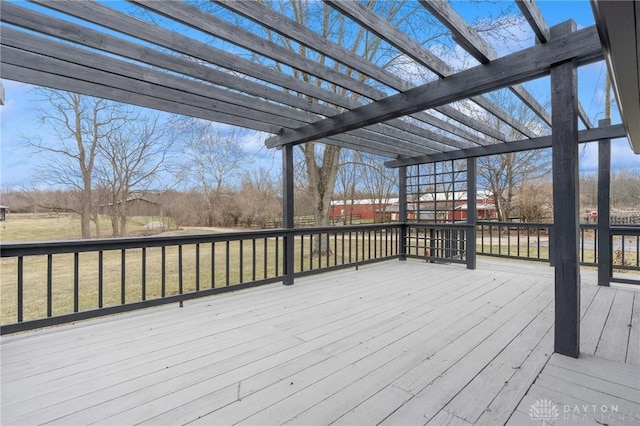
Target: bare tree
[
  {"x": 347, "y": 179},
  {"x": 534, "y": 200},
  {"x": 321, "y": 161},
  {"x": 258, "y": 197},
  {"x": 625, "y": 189},
  {"x": 378, "y": 181},
  {"x": 131, "y": 159},
  {"x": 214, "y": 158},
  {"x": 502, "y": 174},
  {"x": 77, "y": 125}
]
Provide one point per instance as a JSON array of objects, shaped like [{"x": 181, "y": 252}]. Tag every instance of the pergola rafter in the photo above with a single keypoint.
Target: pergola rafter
[
  {"x": 581, "y": 46},
  {"x": 210, "y": 83},
  {"x": 472, "y": 42},
  {"x": 417, "y": 52},
  {"x": 537, "y": 23},
  {"x": 290, "y": 29}
]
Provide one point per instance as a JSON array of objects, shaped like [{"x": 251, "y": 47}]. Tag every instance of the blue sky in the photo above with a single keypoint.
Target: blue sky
[{"x": 19, "y": 117}]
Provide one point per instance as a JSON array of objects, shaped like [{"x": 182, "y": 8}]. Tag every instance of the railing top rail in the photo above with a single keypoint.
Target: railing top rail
[
  {"x": 461, "y": 225},
  {"x": 80, "y": 246},
  {"x": 589, "y": 225},
  {"x": 514, "y": 224},
  {"x": 73, "y": 246},
  {"x": 343, "y": 228},
  {"x": 625, "y": 230}
]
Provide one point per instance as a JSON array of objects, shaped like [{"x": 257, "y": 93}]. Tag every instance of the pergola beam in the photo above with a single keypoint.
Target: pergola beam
[
  {"x": 278, "y": 23},
  {"x": 386, "y": 31},
  {"x": 109, "y": 85},
  {"x": 120, "y": 22},
  {"x": 582, "y": 46},
  {"x": 473, "y": 43},
  {"x": 584, "y": 136},
  {"x": 532, "y": 14}
]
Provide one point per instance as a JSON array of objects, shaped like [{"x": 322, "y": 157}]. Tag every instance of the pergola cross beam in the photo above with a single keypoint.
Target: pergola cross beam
[
  {"x": 582, "y": 46},
  {"x": 273, "y": 21}
]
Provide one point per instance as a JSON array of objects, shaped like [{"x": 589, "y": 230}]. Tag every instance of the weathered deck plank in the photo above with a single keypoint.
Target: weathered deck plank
[
  {"x": 587, "y": 390},
  {"x": 614, "y": 341},
  {"x": 633, "y": 350},
  {"x": 394, "y": 343}
]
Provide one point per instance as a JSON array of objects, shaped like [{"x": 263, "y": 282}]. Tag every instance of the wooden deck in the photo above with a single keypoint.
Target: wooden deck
[{"x": 393, "y": 343}]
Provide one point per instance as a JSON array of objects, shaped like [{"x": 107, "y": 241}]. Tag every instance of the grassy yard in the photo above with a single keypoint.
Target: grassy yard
[
  {"x": 24, "y": 227},
  {"x": 219, "y": 265}
]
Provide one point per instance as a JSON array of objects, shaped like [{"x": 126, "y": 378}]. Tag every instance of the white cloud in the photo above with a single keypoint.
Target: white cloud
[{"x": 621, "y": 156}]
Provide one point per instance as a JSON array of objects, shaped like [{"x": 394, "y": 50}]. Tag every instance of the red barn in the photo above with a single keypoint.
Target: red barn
[
  {"x": 442, "y": 209},
  {"x": 365, "y": 209}
]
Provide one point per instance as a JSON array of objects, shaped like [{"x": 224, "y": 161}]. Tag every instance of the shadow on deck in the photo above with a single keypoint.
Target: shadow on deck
[{"x": 392, "y": 343}]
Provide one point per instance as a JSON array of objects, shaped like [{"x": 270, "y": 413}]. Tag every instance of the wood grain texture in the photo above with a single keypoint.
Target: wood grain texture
[
  {"x": 470, "y": 40},
  {"x": 584, "y": 136},
  {"x": 581, "y": 46},
  {"x": 564, "y": 141},
  {"x": 398, "y": 340}
]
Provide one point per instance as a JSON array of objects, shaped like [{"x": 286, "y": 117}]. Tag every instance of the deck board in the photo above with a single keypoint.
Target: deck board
[
  {"x": 614, "y": 341},
  {"x": 633, "y": 349},
  {"x": 392, "y": 343},
  {"x": 587, "y": 390}
]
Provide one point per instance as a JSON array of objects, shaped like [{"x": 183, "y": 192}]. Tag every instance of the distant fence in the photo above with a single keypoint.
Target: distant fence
[
  {"x": 299, "y": 222},
  {"x": 632, "y": 219}
]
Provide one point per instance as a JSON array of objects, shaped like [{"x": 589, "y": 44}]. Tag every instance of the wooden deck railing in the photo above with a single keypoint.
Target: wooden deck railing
[
  {"x": 533, "y": 241},
  {"x": 49, "y": 283},
  {"x": 625, "y": 247}
]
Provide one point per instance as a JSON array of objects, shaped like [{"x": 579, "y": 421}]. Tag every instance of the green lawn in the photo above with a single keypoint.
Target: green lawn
[
  {"x": 23, "y": 227},
  {"x": 213, "y": 271}
]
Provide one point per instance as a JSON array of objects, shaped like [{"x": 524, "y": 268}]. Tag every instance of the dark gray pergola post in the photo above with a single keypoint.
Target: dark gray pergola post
[
  {"x": 472, "y": 213},
  {"x": 604, "y": 207},
  {"x": 402, "y": 212},
  {"x": 287, "y": 212},
  {"x": 564, "y": 110}
]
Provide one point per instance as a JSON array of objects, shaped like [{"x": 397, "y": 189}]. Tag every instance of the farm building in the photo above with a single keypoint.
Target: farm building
[
  {"x": 364, "y": 209},
  {"x": 3, "y": 213},
  {"x": 444, "y": 208},
  {"x": 136, "y": 206}
]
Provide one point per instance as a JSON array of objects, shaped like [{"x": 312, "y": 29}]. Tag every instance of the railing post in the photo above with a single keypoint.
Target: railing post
[
  {"x": 433, "y": 244},
  {"x": 287, "y": 212},
  {"x": 472, "y": 213},
  {"x": 552, "y": 260},
  {"x": 564, "y": 141},
  {"x": 402, "y": 211},
  {"x": 604, "y": 214}
]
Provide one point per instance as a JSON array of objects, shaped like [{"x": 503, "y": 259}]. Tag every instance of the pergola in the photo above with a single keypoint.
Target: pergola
[{"x": 103, "y": 51}]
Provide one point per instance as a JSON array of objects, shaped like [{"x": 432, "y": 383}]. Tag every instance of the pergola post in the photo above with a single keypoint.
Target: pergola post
[
  {"x": 564, "y": 110},
  {"x": 287, "y": 212},
  {"x": 604, "y": 207},
  {"x": 472, "y": 213},
  {"x": 402, "y": 211}
]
